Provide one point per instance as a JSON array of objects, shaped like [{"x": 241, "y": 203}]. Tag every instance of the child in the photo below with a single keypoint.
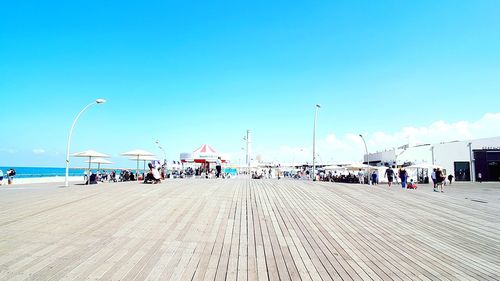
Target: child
[{"x": 412, "y": 185}]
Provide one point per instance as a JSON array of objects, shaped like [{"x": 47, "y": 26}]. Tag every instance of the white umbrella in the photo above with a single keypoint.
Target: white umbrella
[
  {"x": 146, "y": 158},
  {"x": 137, "y": 154},
  {"x": 89, "y": 154},
  {"x": 99, "y": 161}
]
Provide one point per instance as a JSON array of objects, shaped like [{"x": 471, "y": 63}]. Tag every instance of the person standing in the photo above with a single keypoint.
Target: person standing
[
  {"x": 1, "y": 177},
  {"x": 374, "y": 178},
  {"x": 439, "y": 180},
  {"x": 403, "y": 175},
  {"x": 10, "y": 176},
  {"x": 218, "y": 166},
  {"x": 480, "y": 177},
  {"x": 361, "y": 177},
  {"x": 433, "y": 176},
  {"x": 450, "y": 178},
  {"x": 389, "y": 174}
]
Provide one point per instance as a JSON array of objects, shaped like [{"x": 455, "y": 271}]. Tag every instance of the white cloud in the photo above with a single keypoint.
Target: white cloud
[
  {"x": 349, "y": 147},
  {"x": 38, "y": 151}
]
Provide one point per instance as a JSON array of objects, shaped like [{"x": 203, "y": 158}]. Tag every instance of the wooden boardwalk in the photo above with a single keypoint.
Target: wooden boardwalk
[{"x": 248, "y": 230}]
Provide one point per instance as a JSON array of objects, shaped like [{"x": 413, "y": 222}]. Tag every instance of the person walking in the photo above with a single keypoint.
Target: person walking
[
  {"x": 374, "y": 178},
  {"x": 389, "y": 174},
  {"x": 218, "y": 166},
  {"x": 403, "y": 175},
  {"x": 10, "y": 176},
  {"x": 450, "y": 178},
  {"x": 433, "y": 176},
  {"x": 1, "y": 177},
  {"x": 440, "y": 178}
]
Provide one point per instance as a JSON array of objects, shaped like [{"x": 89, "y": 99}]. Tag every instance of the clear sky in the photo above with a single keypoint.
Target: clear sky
[{"x": 189, "y": 73}]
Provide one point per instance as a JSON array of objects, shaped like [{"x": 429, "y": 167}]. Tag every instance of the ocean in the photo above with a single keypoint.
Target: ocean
[{"x": 41, "y": 172}]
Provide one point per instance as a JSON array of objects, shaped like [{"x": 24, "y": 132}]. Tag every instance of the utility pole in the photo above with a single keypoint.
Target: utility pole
[{"x": 248, "y": 140}]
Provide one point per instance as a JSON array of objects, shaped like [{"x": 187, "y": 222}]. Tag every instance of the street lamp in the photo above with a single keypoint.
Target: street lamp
[
  {"x": 97, "y": 101},
  {"x": 164, "y": 153},
  {"x": 314, "y": 141},
  {"x": 367, "y": 158}
]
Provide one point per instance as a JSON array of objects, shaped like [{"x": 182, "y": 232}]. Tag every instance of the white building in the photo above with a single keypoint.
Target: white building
[{"x": 463, "y": 159}]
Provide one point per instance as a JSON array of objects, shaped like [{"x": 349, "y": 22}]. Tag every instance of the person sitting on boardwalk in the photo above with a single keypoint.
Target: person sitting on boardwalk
[
  {"x": 92, "y": 179},
  {"x": 153, "y": 176},
  {"x": 411, "y": 185}
]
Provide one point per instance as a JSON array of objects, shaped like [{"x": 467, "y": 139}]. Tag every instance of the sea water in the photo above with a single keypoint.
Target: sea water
[{"x": 42, "y": 172}]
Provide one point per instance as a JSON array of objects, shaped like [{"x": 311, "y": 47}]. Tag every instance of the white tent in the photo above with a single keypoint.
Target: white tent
[
  {"x": 359, "y": 166},
  {"x": 333, "y": 168},
  {"x": 424, "y": 166}
]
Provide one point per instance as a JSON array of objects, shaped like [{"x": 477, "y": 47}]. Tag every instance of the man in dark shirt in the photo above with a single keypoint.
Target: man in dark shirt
[{"x": 389, "y": 173}]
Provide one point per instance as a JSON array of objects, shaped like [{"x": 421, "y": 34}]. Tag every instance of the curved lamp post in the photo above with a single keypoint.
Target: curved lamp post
[
  {"x": 367, "y": 158},
  {"x": 314, "y": 142},
  {"x": 97, "y": 101},
  {"x": 162, "y": 149}
]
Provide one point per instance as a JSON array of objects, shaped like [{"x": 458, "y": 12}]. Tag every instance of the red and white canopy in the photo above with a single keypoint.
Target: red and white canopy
[{"x": 203, "y": 154}]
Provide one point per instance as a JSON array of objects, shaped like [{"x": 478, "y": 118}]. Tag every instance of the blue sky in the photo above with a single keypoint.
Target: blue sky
[{"x": 189, "y": 73}]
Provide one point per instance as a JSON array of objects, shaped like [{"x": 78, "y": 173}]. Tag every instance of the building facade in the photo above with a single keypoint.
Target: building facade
[{"x": 471, "y": 160}]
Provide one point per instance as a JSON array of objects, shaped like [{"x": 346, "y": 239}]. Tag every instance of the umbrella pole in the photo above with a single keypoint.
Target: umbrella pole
[{"x": 88, "y": 178}]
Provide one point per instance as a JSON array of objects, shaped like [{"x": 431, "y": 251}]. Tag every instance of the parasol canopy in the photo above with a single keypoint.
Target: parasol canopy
[
  {"x": 136, "y": 154},
  {"x": 99, "y": 161},
  {"x": 90, "y": 154},
  {"x": 146, "y": 158}
]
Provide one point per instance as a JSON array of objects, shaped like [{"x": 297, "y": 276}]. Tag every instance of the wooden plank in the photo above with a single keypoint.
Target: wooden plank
[{"x": 241, "y": 229}]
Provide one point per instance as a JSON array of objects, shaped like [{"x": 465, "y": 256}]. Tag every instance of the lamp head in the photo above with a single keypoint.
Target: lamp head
[
  {"x": 100, "y": 101},
  {"x": 361, "y": 135},
  {"x": 318, "y": 105}
]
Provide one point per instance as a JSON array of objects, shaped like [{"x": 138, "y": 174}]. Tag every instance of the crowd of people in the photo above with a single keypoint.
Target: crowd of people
[
  {"x": 350, "y": 177},
  {"x": 391, "y": 175},
  {"x": 154, "y": 175},
  {"x": 157, "y": 172}
]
